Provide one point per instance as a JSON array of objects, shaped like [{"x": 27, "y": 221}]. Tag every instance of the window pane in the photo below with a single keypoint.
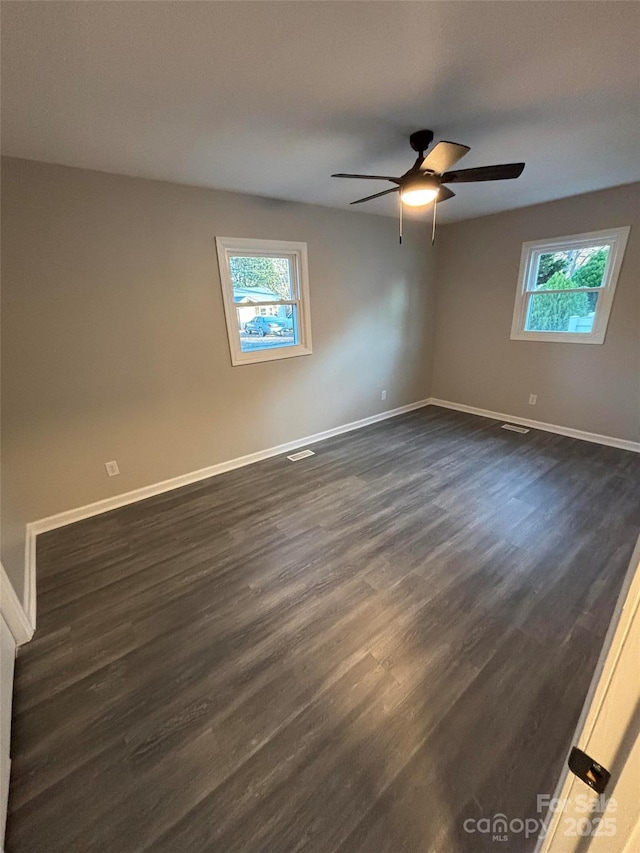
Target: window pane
[
  {"x": 259, "y": 278},
  {"x": 571, "y": 268},
  {"x": 562, "y": 312},
  {"x": 277, "y": 327}
]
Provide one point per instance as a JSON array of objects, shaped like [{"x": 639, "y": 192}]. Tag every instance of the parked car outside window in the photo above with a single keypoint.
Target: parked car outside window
[{"x": 268, "y": 326}]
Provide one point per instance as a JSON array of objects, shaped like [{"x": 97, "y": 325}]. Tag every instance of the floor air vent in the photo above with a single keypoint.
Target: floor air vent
[
  {"x": 302, "y": 455},
  {"x": 514, "y": 428}
]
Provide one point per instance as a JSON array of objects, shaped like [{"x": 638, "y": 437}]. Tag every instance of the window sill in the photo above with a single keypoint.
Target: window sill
[
  {"x": 558, "y": 337},
  {"x": 275, "y": 354}
]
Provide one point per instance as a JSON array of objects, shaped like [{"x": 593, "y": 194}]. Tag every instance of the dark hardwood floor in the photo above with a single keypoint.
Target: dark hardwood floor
[{"x": 354, "y": 652}]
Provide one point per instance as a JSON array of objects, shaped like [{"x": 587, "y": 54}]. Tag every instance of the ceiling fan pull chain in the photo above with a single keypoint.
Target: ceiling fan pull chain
[
  {"x": 400, "y": 202},
  {"x": 433, "y": 227}
]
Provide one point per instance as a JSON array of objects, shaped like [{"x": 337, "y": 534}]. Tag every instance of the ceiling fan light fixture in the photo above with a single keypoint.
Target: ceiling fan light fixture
[{"x": 419, "y": 191}]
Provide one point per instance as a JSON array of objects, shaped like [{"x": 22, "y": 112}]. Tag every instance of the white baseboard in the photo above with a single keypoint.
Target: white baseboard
[
  {"x": 17, "y": 620},
  {"x": 610, "y": 441},
  {"x": 61, "y": 519},
  {"x": 29, "y": 595}
]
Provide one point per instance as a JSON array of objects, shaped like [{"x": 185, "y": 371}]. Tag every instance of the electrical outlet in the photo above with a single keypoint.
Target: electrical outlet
[
  {"x": 533, "y": 399},
  {"x": 112, "y": 468},
  {"x": 383, "y": 396}
]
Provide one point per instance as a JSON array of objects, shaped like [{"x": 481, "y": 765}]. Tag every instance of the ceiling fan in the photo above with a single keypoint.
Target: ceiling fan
[{"x": 425, "y": 181}]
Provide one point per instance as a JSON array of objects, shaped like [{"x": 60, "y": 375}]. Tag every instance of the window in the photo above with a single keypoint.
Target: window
[
  {"x": 266, "y": 298},
  {"x": 566, "y": 287}
]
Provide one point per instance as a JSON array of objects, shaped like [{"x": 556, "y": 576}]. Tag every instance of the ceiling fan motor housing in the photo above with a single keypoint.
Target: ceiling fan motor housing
[
  {"x": 419, "y": 180},
  {"x": 421, "y": 140}
]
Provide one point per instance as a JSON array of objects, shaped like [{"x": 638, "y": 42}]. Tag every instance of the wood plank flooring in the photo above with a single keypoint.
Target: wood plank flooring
[{"x": 353, "y": 653}]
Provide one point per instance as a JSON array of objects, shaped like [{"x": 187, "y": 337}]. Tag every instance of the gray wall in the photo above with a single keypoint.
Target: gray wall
[
  {"x": 588, "y": 387},
  {"x": 114, "y": 340}
]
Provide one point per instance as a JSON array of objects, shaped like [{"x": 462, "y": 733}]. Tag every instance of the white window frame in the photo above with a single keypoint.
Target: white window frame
[
  {"x": 297, "y": 254},
  {"x": 615, "y": 238}
]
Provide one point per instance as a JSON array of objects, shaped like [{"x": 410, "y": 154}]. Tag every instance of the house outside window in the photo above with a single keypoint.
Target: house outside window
[
  {"x": 566, "y": 287},
  {"x": 265, "y": 290}
]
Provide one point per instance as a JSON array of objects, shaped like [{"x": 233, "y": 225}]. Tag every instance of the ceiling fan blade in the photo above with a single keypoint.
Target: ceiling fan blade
[
  {"x": 443, "y": 157},
  {"x": 376, "y": 195},
  {"x": 484, "y": 173},
  {"x": 444, "y": 194},
  {"x": 368, "y": 177}
]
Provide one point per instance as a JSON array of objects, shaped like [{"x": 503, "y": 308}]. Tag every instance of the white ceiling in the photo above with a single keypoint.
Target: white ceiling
[{"x": 271, "y": 97}]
